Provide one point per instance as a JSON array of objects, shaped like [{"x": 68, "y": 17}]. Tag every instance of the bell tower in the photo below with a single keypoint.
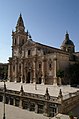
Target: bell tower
[
  {"x": 19, "y": 37},
  {"x": 20, "y": 24}
]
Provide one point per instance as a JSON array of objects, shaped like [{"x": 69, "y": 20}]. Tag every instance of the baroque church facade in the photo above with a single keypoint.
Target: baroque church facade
[{"x": 33, "y": 62}]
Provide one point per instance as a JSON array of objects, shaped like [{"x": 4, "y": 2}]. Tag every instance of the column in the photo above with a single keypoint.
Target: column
[
  {"x": 43, "y": 71},
  {"x": 14, "y": 101},
  {"x": 46, "y": 109},
  {"x": 36, "y": 108},
  {"x": 46, "y": 106},
  {"x": 21, "y": 94},
  {"x": 25, "y": 73},
  {"x": 30, "y": 72},
  {"x": 31, "y": 81},
  {"x": 60, "y": 81},
  {"x": 34, "y": 71},
  {"x": 55, "y": 70},
  {"x": 25, "y": 77},
  {"x": 29, "y": 105},
  {"x": 20, "y": 103},
  {"x": 9, "y": 71},
  {"x": 9, "y": 100},
  {"x": 16, "y": 68},
  {"x": 35, "y": 74},
  {"x": 21, "y": 71}
]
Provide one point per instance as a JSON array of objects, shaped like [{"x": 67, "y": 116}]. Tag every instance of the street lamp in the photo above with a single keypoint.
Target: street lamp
[{"x": 4, "y": 97}]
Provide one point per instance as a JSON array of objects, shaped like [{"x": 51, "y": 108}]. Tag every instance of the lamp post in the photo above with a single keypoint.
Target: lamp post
[{"x": 4, "y": 97}]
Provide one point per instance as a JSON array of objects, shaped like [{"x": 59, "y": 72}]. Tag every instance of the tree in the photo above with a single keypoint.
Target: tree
[
  {"x": 3, "y": 72},
  {"x": 72, "y": 74}
]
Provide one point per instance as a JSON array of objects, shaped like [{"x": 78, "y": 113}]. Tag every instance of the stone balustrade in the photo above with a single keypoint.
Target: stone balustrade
[{"x": 40, "y": 102}]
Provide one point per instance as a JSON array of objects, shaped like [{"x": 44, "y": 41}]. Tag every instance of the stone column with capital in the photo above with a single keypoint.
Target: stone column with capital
[
  {"x": 21, "y": 71},
  {"x": 14, "y": 101},
  {"x": 9, "y": 72},
  {"x": 55, "y": 71},
  {"x": 34, "y": 71},
  {"x": 43, "y": 71},
  {"x": 25, "y": 72},
  {"x": 16, "y": 70},
  {"x": 21, "y": 94},
  {"x": 9, "y": 100},
  {"x": 46, "y": 106},
  {"x": 36, "y": 108}
]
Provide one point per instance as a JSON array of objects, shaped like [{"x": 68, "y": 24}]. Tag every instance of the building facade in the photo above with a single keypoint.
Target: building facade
[{"x": 33, "y": 62}]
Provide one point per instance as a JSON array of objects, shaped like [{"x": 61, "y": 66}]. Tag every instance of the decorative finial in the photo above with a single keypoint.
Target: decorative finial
[
  {"x": 27, "y": 32},
  {"x": 46, "y": 90},
  {"x": 66, "y": 32},
  {"x": 67, "y": 36},
  {"x": 20, "y": 14},
  {"x": 4, "y": 86},
  {"x": 21, "y": 88},
  {"x": 47, "y": 96},
  {"x": 60, "y": 93},
  {"x": 29, "y": 36},
  {"x": 12, "y": 32}
]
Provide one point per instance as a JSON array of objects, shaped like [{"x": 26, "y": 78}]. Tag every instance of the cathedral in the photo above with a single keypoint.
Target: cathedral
[
  {"x": 33, "y": 62},
  {"x": 33, "y": 83}
]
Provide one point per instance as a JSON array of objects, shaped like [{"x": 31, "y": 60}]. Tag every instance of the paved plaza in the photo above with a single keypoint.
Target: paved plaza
[{"x": 13, "y": 112}]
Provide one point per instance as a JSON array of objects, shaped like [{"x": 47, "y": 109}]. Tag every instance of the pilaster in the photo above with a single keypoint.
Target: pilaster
[
  {"x": 21, "y": 94},
  {"x": 34, "y": 71},
  {"x": 43, "y": 71},
  {"x": 55, "y": 71},
  {"x": 46, "y": 106},
  {"x": 36, "y": 108},
  {"x": 21, "y": 71},
  {"x": 16, "y": 69},
  {"x": 9, "y": 72}
]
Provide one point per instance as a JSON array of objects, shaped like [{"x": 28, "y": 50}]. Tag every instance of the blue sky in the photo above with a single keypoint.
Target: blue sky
[{"x": 46, "y": 20}]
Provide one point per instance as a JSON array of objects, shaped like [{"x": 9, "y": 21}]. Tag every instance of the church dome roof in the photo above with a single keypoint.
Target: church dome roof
[{"x": 67, "y": 41}]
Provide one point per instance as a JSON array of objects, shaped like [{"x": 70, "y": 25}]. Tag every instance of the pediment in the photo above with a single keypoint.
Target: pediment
[{"x": 29, "y": 43}]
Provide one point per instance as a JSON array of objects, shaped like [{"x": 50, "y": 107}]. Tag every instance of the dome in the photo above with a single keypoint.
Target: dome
[
  {"x": 67, "y": 44},
  {"x": 67, "y": 41}
]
